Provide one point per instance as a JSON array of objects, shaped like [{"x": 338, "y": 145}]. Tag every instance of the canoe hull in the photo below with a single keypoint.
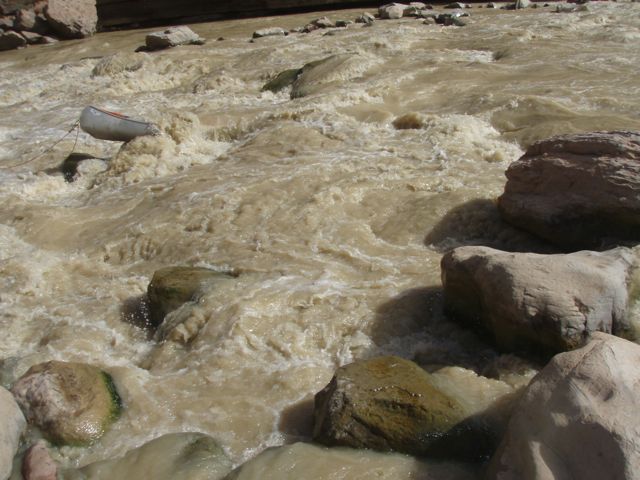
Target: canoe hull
[{"x": 105, "y": 125}]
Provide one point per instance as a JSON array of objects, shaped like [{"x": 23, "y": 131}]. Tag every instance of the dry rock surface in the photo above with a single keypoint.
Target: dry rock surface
[
  {"x": 578, "y": 418},
  {"x": 72, "y": 403},
  {"x": 11, "y": 427},
  {"x": 577, "y": 191},
  {"x": 72, "y": 18},
  {"x": 37, "y": 463},
  {"x": 542, "y": 303}
]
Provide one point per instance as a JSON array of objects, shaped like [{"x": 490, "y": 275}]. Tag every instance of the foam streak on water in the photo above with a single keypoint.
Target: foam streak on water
[{"x": 335, "y": 218}]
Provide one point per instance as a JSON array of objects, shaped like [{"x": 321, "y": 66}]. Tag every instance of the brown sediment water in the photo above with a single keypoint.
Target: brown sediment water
[{"x": 335, "y": 219}]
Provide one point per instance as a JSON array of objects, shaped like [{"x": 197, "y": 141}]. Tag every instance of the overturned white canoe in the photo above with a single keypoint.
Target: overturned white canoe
[{"x": 106, "y": 125}]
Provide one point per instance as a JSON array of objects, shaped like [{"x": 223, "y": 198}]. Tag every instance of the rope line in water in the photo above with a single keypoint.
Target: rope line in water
[{"x": 74, "y": 127}]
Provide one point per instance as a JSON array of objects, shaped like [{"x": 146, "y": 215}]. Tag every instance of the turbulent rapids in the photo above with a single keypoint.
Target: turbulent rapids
[{"x": 329, "y": 209}]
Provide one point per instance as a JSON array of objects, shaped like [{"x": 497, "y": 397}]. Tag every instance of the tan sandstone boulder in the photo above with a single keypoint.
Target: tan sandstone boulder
[
  {"x": 539, "y": 303},
  {"x": 577, "y": 191},
  {"x": 72, "y": 18},
  {"x": 578, "y": 419}
]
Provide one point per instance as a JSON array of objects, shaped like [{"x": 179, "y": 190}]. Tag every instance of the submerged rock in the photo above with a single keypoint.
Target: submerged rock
[
  {"x": 72, "y": 18},
  {"x": 72, "y": 403},
  {"x": 391, "y": 404},
  {"x": 12, "y": 424},
  {"x": 175, "y": 456},
  {"x": 171, "y": 287},
  {"x": 577, "y": 191},
  {"x": 578, "y": 418},
  {"x": 302, "y": 460},
  {"x": 540, "y": 303},
  {"x": 172, "y": 37}
]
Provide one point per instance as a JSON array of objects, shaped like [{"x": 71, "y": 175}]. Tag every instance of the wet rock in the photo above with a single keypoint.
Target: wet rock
[
  {"x": 172, "y": 37},
  {"x": 296, "y": 461},
  {"x": 323, "y": 22},
  {"x": 429, "y": 20},
  {"x": 343, "y": 23},
  {"x": 451, "y": 19},
  {"x": 491, "y": 5},
  {"x": 391, "y": 404},
  {"x": 37, "y": 39},
  {"x": 10, "y": 40},
  {"x": 12, "y": 424},
  {"x": 72, "y": 18},
  {"x": 269, "y": 32},
  {"x": 577, "y": 191},
  {"x": 37, "y": 463},
  {"x": 175, "y": 456},
  {"x": 320, "y": 74},
  {"x": 540, "y": 303},
  {"x": 171, "y": 287},
  {"x": 519, "y": 4},
  {"x": 578, "y": 418},
  {"x": 392, "y": 11},
  {"x": 365, "y": 18},
  {"x": 119, "y": 63},
  {"x": 282, "y": 80},
  {"x": 72, "y": 403}
]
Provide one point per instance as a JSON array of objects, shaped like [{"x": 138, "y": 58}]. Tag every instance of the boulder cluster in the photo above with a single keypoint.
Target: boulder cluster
[{"x": 28, "y": 22}]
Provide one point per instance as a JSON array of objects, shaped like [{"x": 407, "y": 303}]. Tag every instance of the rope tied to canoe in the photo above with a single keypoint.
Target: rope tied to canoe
[{"x": 75, "y": 126}]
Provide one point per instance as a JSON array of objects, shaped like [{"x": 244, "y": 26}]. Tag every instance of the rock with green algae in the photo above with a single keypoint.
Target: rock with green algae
[
  {"x": 391, "y": 404},
  {"x": 71, "y": 403},
  {"x": 175, "y": 456},
  {"x": 171, "y": 287}
]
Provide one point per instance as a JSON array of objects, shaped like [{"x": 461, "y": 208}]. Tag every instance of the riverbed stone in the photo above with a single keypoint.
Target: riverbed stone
[
  {"x": 282, "y": 80},
  {"x": 72, "y": 18},
  {"x": 578, "y": 418},
  {"x": 323, "y": 22},
  {"x": 71, "y": 403},
  {"x": 171, "y": 287},
  {"x": 172, "y": 37},
  {"x": 320, "y": 74},
  {"x": 10, "y": 40},
  {"x": 577, "y": 191},
  {"x": 174, "y": 456},
  {"x": 37, "y": 463},
  {"x": 365, "y": 18},
  {"x": 270, "y": 32},
  {"x": 391, "y": 404},
  {"x": 12, "y": 424},
  {"x": 540, "y": 303}
]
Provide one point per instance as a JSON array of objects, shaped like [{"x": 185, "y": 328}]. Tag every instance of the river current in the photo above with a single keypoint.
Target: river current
[{"x": 334, "y": 209}]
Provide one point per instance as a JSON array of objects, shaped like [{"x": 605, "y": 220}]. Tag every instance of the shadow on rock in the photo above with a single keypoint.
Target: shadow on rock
[
  {"x": 421, "y": 310},
  {"x": 296, "y": 421},
  {"x": 478, "y": 222}
]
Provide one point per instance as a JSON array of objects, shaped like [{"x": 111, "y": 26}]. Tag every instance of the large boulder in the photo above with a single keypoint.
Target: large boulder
[
  {"x": 72, "y": 403},
  {"x": 578, "y": 419},
  {"x": 392, "y": 10},
  {"x": 175, "y": 456},
  {"x": 72, "y": 18},
  {"x": 302, "y": 460},
  {"x": 391, "y": 404},
  {"x": 540, "y": 303},
  {"x": 11, "y": 427},
  {"x": 577, "y": 191},
  {"x": 172, "y": 37},
  {"x": 171, "y": 287}
]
